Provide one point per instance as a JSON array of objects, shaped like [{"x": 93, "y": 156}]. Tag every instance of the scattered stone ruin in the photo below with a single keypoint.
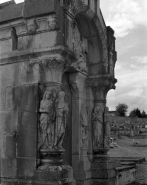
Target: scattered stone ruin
[{"x": 57, "y": 60}]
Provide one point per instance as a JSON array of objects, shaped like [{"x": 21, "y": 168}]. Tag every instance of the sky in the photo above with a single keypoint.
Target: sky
[{"x": 128, "y": 18}]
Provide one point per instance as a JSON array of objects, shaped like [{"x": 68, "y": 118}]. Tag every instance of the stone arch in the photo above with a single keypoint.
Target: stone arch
[{"x": 90, "y": 27}]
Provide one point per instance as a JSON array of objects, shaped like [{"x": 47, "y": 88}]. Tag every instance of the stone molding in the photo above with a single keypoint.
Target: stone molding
[
  {"x": 80, "y": 8},
  {"x": 55, "y": 62},
  {"x": 101, "y": 86}
]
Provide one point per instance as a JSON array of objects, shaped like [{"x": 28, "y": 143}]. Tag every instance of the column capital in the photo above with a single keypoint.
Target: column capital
[{"x": 100, "y": 86}]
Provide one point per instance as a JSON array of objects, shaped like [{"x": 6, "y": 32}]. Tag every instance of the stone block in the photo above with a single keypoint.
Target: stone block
[
  {"x": 25, "y": 168},
  {"x": 9, "y": 145},
  {"x": 57, "y": 175},
  {"x": 10, "y": 13},
  {"x": 9, "y": 121},
  {"x": 27, "y": 135},
  {"x": 38, "y": 8},
  {"x": 104, "y": 181},
  {"x": 25, "y": 98},
  {"x": 109, "y": 164},
  {"x": 8, "y": 168},
  {"x": 103, "y": 173},
  {"x": 46, "y": 39}
]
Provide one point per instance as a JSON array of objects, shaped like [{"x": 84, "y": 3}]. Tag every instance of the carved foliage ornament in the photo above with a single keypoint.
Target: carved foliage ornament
[{"x": 51, "y": 62}]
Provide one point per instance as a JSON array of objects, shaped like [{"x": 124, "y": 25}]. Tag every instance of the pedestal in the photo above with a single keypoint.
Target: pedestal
[{"x": 103, "y": 170}]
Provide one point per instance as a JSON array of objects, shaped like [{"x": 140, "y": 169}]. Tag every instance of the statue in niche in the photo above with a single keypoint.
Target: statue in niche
[
  {"x": 107, "y": 127},
  {"x": 80, "y": 49},
  {"x": 97, "y": 120},
  {"x": 61, "y": 111},
  {"x": 84, "y": 119},
  {"x": 47, "y": 120},
  {"x": 52, "y": 22},
  {"x": 14, "y": 39}
]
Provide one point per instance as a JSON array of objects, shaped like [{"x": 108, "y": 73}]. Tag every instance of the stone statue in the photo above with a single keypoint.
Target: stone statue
[
  {"x": 61, "y": 110},
  {"x": 107, "y": 127},
  {"x": 80, "y": 49},
  {"x": 52, "y": 22},
  {"x": 47, "y": 120},
  {"x": 84, "y": 118},
  {"x": 97, "y": 120},
  {"x": 14, "y": 39}
]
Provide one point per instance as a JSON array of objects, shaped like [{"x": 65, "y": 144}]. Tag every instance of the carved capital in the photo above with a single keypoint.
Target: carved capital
[
  {"x": 101, "y": 86},
  {"x": 51, "y": 68}
]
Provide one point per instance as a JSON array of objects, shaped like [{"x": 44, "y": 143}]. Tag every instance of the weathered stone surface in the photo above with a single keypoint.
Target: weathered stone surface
[
  {"x": 73, "y": 62},
  {"x": 25, "y": 168},
  {"x": 27, "y": 135},
  {"x": 8, "y": 168},
  {"x": 11, "y": 13},
  {"x": 9, "y": 145},
  {"x": 38, "y": 8}
]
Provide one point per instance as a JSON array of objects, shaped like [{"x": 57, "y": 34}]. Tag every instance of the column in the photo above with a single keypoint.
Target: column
[
  {"x": 103, "y": 171},
  {"x": 80, "y": 128}
]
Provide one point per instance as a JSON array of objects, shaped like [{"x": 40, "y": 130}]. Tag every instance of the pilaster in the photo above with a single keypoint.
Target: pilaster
[
  {"x": 80, "y": 128},
  {"x": 103, "y": 171}
]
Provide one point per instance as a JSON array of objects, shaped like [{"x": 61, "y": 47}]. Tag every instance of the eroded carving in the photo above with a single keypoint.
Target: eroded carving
[
  {"x": 61, "y": 118},
  {"x": 32, "y": 27},
  {"x": 97, "y": 122},
  {"x": 80, "y": 50},
  {"x": 53, "y": 118},
  {"x": 47, "y": 120},
  {"x": 106, "y": 127},
  {"x": 84, "y": 119},
  {"x": 52, "y": 22}
]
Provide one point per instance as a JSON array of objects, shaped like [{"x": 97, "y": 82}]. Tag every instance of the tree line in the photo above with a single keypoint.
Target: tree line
[{"x": 122, "y": 110}]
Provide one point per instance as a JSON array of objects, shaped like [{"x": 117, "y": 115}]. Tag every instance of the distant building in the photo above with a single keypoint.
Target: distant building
[{"x": 113, "y": 113}]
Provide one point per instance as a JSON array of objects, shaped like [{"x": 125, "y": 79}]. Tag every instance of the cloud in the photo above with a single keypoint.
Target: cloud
[{"x": 126, "y": 15}]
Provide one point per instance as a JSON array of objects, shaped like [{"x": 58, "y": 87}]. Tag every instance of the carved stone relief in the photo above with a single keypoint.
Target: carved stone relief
[
  {"x": 97, "y": 122},
  {"x": 53, "y": 115},
  {"x": 32, "y": 27},
  {"x": 84, "y": 120},
  {"x": 52, "y": 22},
  {"x": 80, "y": 49},
  {"x": 106, "y": 127},
  {"x": 47, "y": 118}
]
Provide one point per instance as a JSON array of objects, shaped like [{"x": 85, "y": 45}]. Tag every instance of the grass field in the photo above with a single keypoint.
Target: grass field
[{"x": 125, "y": 149}]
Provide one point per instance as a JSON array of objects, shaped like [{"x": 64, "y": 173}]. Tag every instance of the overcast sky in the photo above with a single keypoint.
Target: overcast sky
[{"x": 129, "y": 20}]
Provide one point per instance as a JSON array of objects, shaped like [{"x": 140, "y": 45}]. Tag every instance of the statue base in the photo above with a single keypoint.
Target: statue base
[
  {"x": 103, "y": 170},
  {"x": 50, "y": 157}
]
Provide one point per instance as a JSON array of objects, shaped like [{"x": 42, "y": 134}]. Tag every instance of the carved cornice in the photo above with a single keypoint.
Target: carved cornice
[
  {"x": 54, "y": 62},
  {"x": 100, "y": 87},
  {"x": 101, "y": 81}
]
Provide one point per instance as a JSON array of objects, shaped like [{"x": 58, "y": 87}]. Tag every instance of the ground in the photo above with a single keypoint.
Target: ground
[{"x": 125, "y": 149}]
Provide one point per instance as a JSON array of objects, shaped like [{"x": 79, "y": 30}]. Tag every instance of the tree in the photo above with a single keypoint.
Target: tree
[
  {"x": 137, "y": 113},
  {"x": 144, "y": 114},
  {"x": 122, "y": 108}
]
